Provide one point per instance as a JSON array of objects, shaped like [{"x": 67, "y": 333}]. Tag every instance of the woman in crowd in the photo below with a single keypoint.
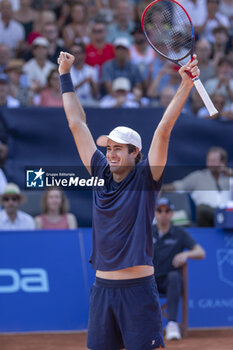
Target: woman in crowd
[
  {"x": 55, "y": 211},
  {"x": 50, "y": 96}
]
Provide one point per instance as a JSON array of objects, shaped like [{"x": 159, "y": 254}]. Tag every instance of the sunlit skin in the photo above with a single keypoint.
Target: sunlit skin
[
  {"x": 121, "y": 162},
  {"x": 54, "y": 201},
  {"x": 214, "y": 163}
]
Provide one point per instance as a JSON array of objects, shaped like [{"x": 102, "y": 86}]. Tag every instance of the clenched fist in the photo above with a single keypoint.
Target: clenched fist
[{"x": 65, "y": 61}]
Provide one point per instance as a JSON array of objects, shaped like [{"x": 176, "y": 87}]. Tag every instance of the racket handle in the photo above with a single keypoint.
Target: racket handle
[{"x": 205, "y": 97}]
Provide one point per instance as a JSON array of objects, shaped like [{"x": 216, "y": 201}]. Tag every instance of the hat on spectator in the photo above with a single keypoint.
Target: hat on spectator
[
  {"x": 122, "y": 42},
  {"x": 4, "y": 78},
  {"x": 40, "y": 41},
  {"x": 121, "y": 84},
  {"x": 163, "y": 201},
  {"x": 14, "y": 64},
  {"x": 12, "y": 189},
  {"x": 121, "y": 134}
]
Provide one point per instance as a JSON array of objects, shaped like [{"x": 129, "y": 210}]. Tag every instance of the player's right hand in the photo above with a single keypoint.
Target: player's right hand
[{"x": 65, "y": 61}]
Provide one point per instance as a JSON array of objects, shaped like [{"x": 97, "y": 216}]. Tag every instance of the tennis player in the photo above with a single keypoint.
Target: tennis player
[{"x": 124, "y": 303}]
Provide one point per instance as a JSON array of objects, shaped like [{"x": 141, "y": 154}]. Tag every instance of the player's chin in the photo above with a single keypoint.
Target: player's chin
[{"x": 115, "y": 169}]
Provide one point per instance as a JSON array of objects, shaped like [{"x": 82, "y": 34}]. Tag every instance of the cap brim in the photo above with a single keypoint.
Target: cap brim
[{"x": 103, "y": 140}]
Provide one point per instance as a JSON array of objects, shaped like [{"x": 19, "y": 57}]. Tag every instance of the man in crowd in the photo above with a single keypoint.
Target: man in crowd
[
  {"x": 209, "y": 187},
  {"x": 169, "y": 256},
  {"x": 11, "y": 218}
]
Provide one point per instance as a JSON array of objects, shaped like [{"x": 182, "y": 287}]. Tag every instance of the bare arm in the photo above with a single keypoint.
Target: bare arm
[
  {"x": 196, "y": 253},
  {"x": 159, "y": 147},
  {"x": 76, "y": 116}
]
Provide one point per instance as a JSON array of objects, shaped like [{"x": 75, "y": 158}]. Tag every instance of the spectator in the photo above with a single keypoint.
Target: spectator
[
  {"x": 122, "y": 97},
  {"x": 166, "y": 96},
  {"x": 220, "y": 44},
  {"x": 78, "y": 28},
  {"x": 11, "y": 32},
  {"x": 169, "y": 256},
  {"x": 17, "y": 90},
  {"x": 27, "y": 16},
  {"x": 223, "y": 82},
  {"x": 197, "y": 11},
  {"x": 123, "y": 24},
  {"x": 209, "y": 187},
  {"x": 207, "y": 68},
  {"x": 5, "y": 54},
  {"x": 219, "y": 101},
  {"x": 141, "y": 53},
  {"x": 168, "y": 70},
  {"x": 104, "y": 8},
  {"x": 121, "y": 66},
  {"x": 50, "y": 32},
  {"x": 55, "y": 211},
  {"x": 99, "y": 51},
  {"x": 226, "y": 8},
  {"x": 11, "y": 218},
  {"x": 15, "y": 4},
  {"x": 85, "y": 77},
  {"x": 38, "y": 68},
  {"x": 213, "y": 19},
  {"x": 50, "y": 95},
  {"x": 5, "y": 99}
]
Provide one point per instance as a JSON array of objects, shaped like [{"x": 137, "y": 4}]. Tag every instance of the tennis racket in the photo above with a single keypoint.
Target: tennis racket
[{"x": 169, "y": 30}]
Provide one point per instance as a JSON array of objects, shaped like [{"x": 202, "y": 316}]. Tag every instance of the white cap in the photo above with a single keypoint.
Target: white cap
[
  {"x": 124, "y": 42},
  {"x": 40, "y": 41},
  {"x": 121, "y": 84},
  {"x": 121, "y": 134}
]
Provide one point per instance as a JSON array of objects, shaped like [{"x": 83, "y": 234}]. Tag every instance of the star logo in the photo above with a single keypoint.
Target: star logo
[{"x": 38, "y": 174}]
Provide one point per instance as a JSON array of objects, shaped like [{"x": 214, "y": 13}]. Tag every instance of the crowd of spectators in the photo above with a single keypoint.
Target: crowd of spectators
[{"x": 106, "y": 38}]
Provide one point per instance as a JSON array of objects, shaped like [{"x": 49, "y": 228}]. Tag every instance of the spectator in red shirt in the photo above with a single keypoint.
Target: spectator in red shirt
[{"x": 99, "y": 51}]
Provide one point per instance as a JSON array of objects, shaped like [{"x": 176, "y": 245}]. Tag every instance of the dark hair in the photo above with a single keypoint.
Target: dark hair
[
  {"x": 79, "y": 43},
  {"x": 222, "y": 152},
  {"x": 132, "y": 148},
  {"x": 50, "y": 76}
]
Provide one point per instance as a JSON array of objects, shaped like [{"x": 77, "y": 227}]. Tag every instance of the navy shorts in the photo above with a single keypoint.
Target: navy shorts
[{"x": 125, "y": 314}]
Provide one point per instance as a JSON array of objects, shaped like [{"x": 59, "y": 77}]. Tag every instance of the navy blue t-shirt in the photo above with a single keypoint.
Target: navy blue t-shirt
[{"x": 122, "y": 216}]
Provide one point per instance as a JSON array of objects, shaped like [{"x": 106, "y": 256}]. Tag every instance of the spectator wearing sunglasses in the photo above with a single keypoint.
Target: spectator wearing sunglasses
[
  {"x": 169, "y": 255},
  {"x": 11, "y": 218}
]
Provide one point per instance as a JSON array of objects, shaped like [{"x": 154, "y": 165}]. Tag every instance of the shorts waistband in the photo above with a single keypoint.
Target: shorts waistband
[{"x": 123, "y": 283}]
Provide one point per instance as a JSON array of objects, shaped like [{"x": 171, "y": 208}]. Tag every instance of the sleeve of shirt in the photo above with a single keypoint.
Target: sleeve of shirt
[
  {"x": 187, "y": 183},
  {"x": 150, "y": 182},
  {"x": 188, "y": 241},
  {"x": 106, "y": 72},
  {"x": 98, "y": 164}
]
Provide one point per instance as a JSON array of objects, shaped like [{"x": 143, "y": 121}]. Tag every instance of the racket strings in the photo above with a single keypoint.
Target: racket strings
[{"x": 168, "y": 30}]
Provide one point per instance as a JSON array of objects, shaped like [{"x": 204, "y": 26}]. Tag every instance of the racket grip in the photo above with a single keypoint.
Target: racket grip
[{"x": 205, "y": 97}]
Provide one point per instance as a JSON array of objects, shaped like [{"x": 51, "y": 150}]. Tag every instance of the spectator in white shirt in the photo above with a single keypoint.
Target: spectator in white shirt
[
  {"x": 11, "y": 218},
  {"x": 11, "y": 32},
  {"x": 213, "y": 19},
  {"x": 122, "y": 97},
  {"x": 5, "y": 99},
  {"x": 38, "y": 68},
  {"x": 84, "y": 77}
]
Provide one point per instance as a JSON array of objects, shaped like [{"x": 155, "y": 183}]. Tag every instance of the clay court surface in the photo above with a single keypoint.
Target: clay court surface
[{"x": 196, "y": 340}]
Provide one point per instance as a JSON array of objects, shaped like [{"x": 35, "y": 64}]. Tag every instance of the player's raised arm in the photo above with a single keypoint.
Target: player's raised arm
[
  {"x": 159, "y": 147},
  {"x": 74, "y": 112}
]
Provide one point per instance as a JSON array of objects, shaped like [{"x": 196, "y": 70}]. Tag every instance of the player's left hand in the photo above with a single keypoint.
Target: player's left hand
[
  {"x": 179, "y": 259},
  {"x": 191, "y": 67}
]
